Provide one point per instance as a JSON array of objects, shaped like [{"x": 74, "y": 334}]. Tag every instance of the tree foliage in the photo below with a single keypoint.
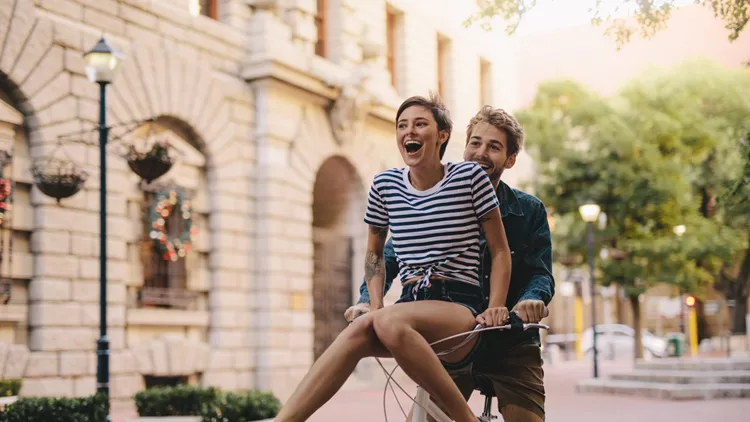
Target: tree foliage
[
  {"x": 645, "y": 17},
  {"x": 667, "y": 150}
]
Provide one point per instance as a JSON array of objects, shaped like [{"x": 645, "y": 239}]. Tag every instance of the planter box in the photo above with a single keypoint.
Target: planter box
[
  {"x": 4, "y": 401},
  {"x": 174, "y": 419}
]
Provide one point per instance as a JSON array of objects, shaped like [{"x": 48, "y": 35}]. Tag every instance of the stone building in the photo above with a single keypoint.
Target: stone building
[{"x": 280, "y": 113}]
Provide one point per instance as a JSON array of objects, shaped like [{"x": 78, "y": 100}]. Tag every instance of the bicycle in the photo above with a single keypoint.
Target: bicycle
[{"x": 423, "y": 405}]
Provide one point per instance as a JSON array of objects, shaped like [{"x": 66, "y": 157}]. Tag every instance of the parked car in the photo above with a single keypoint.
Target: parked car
[{"x": 617, "y": 341}]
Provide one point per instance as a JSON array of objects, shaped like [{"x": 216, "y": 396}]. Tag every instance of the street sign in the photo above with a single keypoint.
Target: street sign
[{"x": 711, "y": 307}]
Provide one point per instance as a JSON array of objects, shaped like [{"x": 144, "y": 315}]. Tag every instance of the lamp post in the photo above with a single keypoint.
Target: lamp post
[
  {"x": 679, "y": 230},
  {"x": 101, "y": 63},
  {"x": 590, "y": 213}
]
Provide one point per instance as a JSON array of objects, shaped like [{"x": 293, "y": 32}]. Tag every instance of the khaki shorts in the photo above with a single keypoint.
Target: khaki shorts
[{"x": 517, "y": 378}]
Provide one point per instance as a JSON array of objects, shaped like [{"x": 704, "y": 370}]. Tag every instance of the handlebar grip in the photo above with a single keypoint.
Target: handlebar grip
[{"x": 516, "y": 324}]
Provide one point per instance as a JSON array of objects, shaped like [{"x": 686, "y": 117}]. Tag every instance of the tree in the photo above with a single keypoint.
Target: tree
[
  {"x": 708, "y": 110},
  {"x": 647, "y": 156},
  {"x": 646, "y": 16}
]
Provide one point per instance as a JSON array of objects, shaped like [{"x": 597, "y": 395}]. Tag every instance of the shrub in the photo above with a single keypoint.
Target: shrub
[
  {"x": 182, "y": 400},
  {"x": 86, "y": 409},
  {"x": 252, "y": 406},
  {"x": 10, "y": 387}
]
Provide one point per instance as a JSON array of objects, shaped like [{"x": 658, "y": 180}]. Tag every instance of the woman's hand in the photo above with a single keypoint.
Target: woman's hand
[
  {"x": 493, "y": 316},
  {"x": 356, "y": 310}
]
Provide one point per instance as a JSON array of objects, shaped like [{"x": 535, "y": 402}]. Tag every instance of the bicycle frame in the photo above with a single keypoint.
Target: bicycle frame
[{"x": 425, "y": 406}]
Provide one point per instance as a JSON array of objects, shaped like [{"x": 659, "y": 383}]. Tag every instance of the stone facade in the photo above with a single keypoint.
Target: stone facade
[{"x": 273, "y": 140}]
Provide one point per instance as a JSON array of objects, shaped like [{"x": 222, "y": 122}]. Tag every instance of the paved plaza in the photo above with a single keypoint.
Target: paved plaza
[{"x": 563, "y": 403}]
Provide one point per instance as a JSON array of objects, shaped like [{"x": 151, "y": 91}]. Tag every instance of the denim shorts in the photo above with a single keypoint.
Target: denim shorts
[
  {"x": 456, "y": 292},
  {"x": 448, "y": 291}
]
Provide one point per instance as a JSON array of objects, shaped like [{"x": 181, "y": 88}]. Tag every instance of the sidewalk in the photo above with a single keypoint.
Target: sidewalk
[{"x": 563, "y": 404}]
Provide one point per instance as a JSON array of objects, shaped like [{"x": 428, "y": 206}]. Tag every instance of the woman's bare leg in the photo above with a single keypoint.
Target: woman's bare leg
[
  {"x": 406, "y": 329},
  {"x": 331, "y": 370}
]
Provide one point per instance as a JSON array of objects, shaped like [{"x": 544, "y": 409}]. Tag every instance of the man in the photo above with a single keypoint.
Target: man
[{"x": 511, "y": 362}]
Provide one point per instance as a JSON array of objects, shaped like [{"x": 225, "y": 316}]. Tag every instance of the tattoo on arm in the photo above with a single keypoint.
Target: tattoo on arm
[
  {"x": 379, "y": 231},
  {"x": 373, "y": 265}
]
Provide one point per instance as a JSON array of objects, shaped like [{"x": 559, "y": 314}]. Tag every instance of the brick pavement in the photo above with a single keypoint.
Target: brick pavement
[{"x": 563, "y": 403}]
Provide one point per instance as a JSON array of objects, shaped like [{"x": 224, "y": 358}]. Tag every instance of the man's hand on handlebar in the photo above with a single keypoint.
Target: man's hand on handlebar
[
  {"x": 531, "y": 311},
  {"x": 356, "y": 310}
]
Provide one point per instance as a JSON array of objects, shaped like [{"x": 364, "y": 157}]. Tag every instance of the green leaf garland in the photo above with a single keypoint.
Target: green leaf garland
[{"x": 171, "y": 248}]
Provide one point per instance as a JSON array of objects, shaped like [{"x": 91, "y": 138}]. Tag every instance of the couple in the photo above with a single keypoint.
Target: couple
[{"x": 447, "y": 231}]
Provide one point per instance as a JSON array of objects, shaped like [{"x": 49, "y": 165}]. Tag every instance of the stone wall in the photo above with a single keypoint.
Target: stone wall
[{"x": 179, "y": 66}]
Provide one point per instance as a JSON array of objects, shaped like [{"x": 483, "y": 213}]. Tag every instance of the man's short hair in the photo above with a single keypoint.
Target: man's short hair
[
  {"x": 503, "y": 121},
  {"x": 439, "y": 112}
]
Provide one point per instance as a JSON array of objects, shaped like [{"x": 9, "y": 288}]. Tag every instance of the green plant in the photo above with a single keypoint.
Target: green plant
[
  {"x": 85, "y": 409},
  {"x": 10, "y": 387},
  {"x": 183, "y": 400},
  {"x": 252, "y": 406}
]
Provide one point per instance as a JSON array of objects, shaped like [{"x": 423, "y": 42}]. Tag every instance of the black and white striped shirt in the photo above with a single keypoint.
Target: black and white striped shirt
[{"x": 436, "y": 231}]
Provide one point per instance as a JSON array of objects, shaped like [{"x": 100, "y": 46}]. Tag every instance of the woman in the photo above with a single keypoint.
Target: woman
[{"x": 435, "y": 213}]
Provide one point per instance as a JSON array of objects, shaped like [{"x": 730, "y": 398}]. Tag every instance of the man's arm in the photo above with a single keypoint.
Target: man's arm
[
  {"x": 391, "y": 271},
  {"x": 541, "y": 286}
]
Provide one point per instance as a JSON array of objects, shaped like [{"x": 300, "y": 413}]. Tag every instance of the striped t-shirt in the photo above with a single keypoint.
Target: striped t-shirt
[{"x": 436, "y": 231}]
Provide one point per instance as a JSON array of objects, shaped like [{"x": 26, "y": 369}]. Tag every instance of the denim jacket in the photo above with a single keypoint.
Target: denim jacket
[{"x": 527, "y": 230}]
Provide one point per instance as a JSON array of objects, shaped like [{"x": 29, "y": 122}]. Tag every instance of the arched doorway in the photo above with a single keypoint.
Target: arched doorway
[{"x": 338, "y": 207}]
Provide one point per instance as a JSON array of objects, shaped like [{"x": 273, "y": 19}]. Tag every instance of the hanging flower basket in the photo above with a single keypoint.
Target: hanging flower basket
[
  {"x": 59, "y": 179},
  {"x": 152, "y": 164}
]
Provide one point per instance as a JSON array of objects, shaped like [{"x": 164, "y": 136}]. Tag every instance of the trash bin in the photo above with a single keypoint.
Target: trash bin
[{"x": 675, "y": 344}]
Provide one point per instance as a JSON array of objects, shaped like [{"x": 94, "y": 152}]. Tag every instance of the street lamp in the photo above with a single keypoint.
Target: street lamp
[
  {"x": 101, "y": 63},
  {"x": 590, "y": 213},
  {"x": 679, "y": 230}
]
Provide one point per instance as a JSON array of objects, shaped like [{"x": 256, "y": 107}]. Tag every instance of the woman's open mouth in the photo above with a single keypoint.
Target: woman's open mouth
[{"x": 412, "y": 146}]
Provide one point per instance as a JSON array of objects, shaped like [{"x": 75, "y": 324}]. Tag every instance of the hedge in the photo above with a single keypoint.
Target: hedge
[
  {"x": 208, "y": 403},
  {"x": 85, "y": 409}
]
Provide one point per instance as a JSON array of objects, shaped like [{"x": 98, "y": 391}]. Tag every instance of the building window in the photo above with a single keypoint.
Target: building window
[
  {"x": 165, "y": 281},
  {"x": 153, "y": 381},
  {"x": 485, "y": 83},
  {"x": 320, "y": 23},
  {"x": 443, "y": 49},
  {"x": 210, "y": 8},
  {"x": 391, "y": 28}
]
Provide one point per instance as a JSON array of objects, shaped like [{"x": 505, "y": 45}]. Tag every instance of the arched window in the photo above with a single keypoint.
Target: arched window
[
  {"x": 159, "y": 281},
  {"x": 16, "y": 224}
]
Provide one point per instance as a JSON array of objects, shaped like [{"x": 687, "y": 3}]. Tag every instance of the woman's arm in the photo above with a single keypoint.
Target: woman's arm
[
  {"x": 497, "y": 242},
  {"x": 375, "y": 265}
]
